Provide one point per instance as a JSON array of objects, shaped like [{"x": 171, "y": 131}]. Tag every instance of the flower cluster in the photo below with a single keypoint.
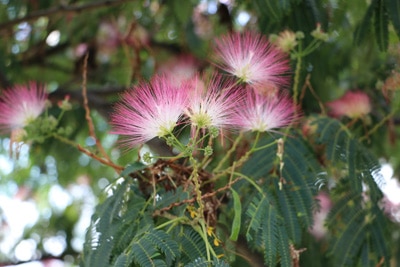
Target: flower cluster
[{"x": 249, "y": 101}]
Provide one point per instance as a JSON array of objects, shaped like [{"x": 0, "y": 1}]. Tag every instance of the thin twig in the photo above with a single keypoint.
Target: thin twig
[
  {"x": 307, "y": 84},
  {"x": 62, "y": 9},
  {"x": 378, "y": 125},
  {"x": 107, "y": 162},
  {"x": 192, "y": 200},
  {"x": 87, "y": 110},
  {"x": 135, "y": 62}
]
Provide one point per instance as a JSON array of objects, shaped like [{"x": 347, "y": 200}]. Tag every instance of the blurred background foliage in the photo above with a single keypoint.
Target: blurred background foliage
[{"x": 128, "y": 41}]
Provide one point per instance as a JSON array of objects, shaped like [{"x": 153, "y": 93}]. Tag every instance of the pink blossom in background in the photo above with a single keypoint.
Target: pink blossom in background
[
  {"x": 180, "y": 68},
  {"x": 264, "y": 113},
  {"x": 318, "y": 229},
  {"x": 353, "y": 104},
  {"x": 212, "y": 102},
  {"x": 21, "y": 105},
  {"x": 252, "y": 59},
  {"x": 391, "y": 208},
  {"x": 150, "y": 109},
  {"x": 112, "y": 35}
]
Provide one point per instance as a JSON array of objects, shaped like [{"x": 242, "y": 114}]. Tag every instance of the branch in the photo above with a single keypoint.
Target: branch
[
  {"x": 87, "y": 111},
  {"x": 62, "y": 9},
  {"x": 193, "y": 199}
]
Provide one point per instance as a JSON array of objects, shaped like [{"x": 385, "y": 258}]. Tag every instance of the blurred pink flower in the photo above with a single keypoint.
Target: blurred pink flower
[
  {"x": 180, "y": 68},
  {"x": 21, "y": 105},
  {"x": 354, "y": 104},
  {"x": 391, "y": 209},
  {"x": 318, "y": 230},
  {"x": 149, "y": 110},
  {"x": 212, "y": 102},
  {"x": 264, "y": 113},
  {"x": 251, "y": 58}
]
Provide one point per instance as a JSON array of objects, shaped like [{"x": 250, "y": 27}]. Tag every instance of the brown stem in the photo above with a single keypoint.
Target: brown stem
[
  {"x": 192, "y": 200},
  {"x": 243, "y": 250},
  {"x": 107, "y": 162},
  {"x": 62, "y": 9},
  {"x": 307, "y": 84},
  {"x": 87, "y": 110}
]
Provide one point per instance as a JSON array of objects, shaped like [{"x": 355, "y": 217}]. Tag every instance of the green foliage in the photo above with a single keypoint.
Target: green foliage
[
  {"x": 348, "y": 158},
  {"x": 275, "y": 218},
  {"x": 261, "y": 209},
  {"x": 283, "y": 209},
  {"x": 380, "y": 13},
  {"x": 393, "y": 9},
  {"x": 124, "y": 233},
  {"x": 356, "y": 217},
  {"x": 201, "y": 262}
]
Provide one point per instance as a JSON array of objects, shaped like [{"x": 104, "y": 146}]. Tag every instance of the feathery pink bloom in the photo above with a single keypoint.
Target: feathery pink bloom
[
  {"x": 21, "y": 105},
  {"x": 212, "y": 102},
  {"x": 252, "y": 59},
  {"x": 264, "y": 113},
  {"x": 352, "y": 104},
  {"x": 149, "y": 110}
]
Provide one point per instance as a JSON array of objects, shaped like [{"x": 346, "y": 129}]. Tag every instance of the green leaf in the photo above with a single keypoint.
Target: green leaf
[
  {"x": 270, "y": 236},
  {"x": 191, "y": 244},
  {"x": 343, "y": 152},
  {"x": 169, "y": 197},
  {"x": 393, "y": 9},
  {"x": 301, "y": 172},
  {"x": 284, "y": 5},
  {"x": 287, "y": 209},
  {"x": 381, "y": 23},
  {"x": 363, "y": 30},
  {"x": 350, "y": 240},
  {"x": 284, "y": 249},
  {"x": 268, "y": 8},
  {"x": 256, "y": 212},
  {"x": 379, "y": 234},
  {"x": 182, "y": 10},
  {"x": 165, "y": 243},
  {"x": 202, "y": 262},
  {"x": 199, "y": 262},
  {"x": 98, "y": 241},
  {"x": 261, "y": 162},
  {"x": 131, "y": 168},
  {"x": 122, "y": 261},
  {"x": 237, "y": 207},
  {"x": 142, "y": 252}
]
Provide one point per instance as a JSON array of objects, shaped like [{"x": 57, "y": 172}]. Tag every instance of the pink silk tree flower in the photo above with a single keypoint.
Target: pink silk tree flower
[
  {"x": 263, "y": 113},
  {"x": 149, "y": 110},
  {"x": 354, "y": 104},
  {"x": 252, "y": 59},
  {"x": 212, "y": 102},
  {"x": 21, "y": 105}
]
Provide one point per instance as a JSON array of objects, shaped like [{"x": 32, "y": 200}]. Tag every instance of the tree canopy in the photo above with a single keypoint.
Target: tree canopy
[{"x": 200, "y": 132}]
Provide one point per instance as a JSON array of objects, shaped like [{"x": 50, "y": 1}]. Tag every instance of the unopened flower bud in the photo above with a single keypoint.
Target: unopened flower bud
[
  {"x": 286, "y": 41},
  {"x": 65, "y": 104},
  {"x": 319, "y": 34},
  {"x": 300, "y": 35},
  {"x": 208, "y": 151}
]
